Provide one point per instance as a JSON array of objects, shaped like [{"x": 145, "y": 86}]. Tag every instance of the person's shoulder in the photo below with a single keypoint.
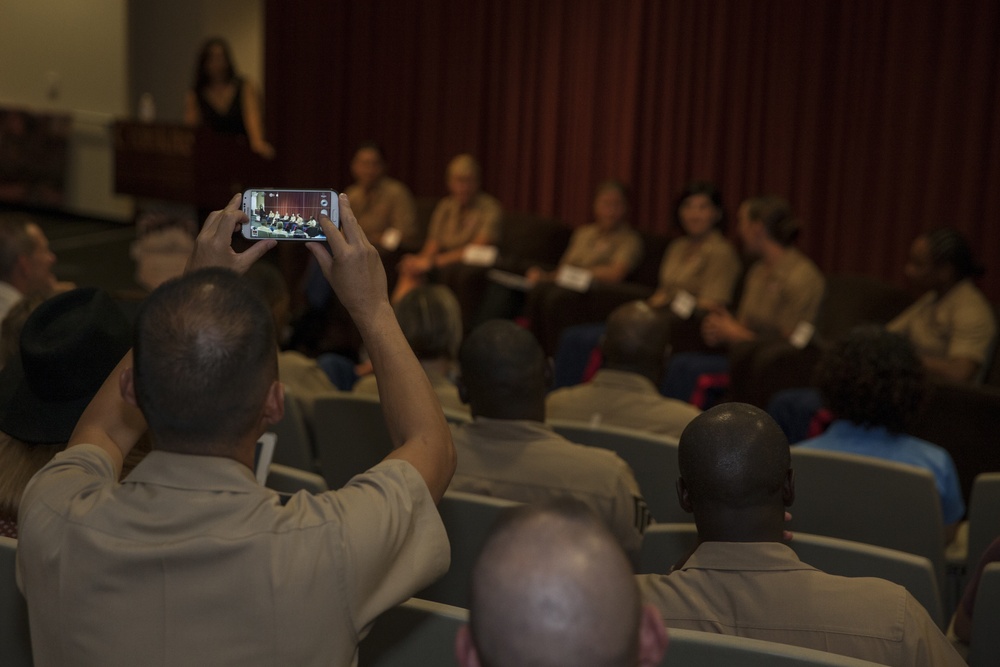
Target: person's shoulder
[
  {"x": 488, "y": 203},
  {"x": 718, "y": 245},
  {"x": 395, "y": 187}
]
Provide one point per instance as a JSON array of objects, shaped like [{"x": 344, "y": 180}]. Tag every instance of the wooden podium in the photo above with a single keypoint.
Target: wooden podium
[{"x": 178, "y": 163}]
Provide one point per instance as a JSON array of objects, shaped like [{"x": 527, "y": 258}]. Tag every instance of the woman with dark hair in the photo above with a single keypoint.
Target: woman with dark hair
[
  {"x": 873, "y": 383},
  {"x": 952, "y": 324},
  {"x": 702, "y": 262},
  {"x": 224, "y": 102}
]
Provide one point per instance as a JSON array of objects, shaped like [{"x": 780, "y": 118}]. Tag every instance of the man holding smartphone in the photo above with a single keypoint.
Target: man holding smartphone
[{"x": 189, "y": 560}]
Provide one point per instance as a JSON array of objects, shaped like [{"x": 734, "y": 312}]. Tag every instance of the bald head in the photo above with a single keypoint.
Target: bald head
[
  {"x": 636, "y": 340},
  {"x": 503, "y": 372},
  {"x": 735, "y": 473},
  {"x": 552, "y": 587}
]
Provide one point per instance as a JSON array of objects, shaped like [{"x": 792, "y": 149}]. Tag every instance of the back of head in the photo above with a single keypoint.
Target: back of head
[
  {"x": 636, "y": 340},
  {"x": 873, "y": 378},
  {"x": 776, "y": 215},
  {"x": 949, "y": 248},
  {"x": 552, "y": 587},
  {"x": 503, "y": 371},
  {"x": 431, "y": 319},
  {"x": 205, "y": 357},
  {"x": 733, "y": 457},
  {"x": 14, "y": 242}
]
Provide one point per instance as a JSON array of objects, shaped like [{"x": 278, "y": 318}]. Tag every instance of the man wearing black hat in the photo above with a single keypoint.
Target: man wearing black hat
[{"x": 189, "y": 560}]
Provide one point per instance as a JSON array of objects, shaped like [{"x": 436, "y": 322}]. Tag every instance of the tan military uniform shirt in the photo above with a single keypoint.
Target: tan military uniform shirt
[
  {"x": 527, "y": 462},
  {"x": 707, "y": 270},
  {"x": 453, "y": 227},
  {"x": 776, "y": 299},
  {"x": 190, "y": 562},
  {"x": 763, "y": 591},
  {"x": 445, "y": 389},
  {"x": 618, "y": 398},
  {"x": 958, "y": 325},
  {"x": 388, "y": 205},
  {"x": 590, "y": 248}
]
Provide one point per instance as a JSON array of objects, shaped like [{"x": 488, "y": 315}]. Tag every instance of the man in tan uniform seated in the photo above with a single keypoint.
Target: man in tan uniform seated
[
  {"x": 624, "y": 392},
  {"x": 190, "y": 561},
  {"x": 384, "y": 207},
  {"x": 508, "y": 452},
  {"x": 551, "y": 587},
  {"x": 741, "y": 580}
]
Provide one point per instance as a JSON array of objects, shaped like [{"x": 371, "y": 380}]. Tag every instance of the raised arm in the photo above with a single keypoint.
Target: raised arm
[{"x": 412, "y": 411}]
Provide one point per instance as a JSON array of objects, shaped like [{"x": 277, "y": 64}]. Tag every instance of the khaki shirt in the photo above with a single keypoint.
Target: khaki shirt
[
  {"x": 776, "y": 299},
  {"x": 707, "y": 270},
  {"x": 957, "y": 325},
  {"x": 763, "y": 591},
  {"x": 190, "y": 562},
  {"x": 589, "y": 248},
  {"x": 618, "y": 398},
  {"x": 445, "y": 389},
  {"x": 453, "y": 227},
  {"x": 388, "y": 205},
  {"x": 528, "y": 462}
]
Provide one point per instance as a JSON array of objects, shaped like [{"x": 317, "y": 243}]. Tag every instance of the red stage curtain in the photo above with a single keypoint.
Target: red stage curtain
[{"x": 877, "y": 119}]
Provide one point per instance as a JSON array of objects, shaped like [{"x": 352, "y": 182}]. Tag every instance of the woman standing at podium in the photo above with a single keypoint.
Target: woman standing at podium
[{"x": 224, "y": 102}]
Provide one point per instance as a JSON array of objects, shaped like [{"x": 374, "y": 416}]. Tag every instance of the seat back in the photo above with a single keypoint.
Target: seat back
[
  {"x": 413, "y": 634},
  {"x": 869, "y": 500},
  {"x": 666, "y": 543},
  {"x": 708, "y": 649},
  {"x": 351, "y": 436},
  {"x": 285, "y": 479},
  {"x": 15, "y": 641},
  {"x": 984, "y": 649},
  {"x": 653, "y": 460},
  {"x": 467, "y": 518},
  {"x": 294, "y": 446},
  {"x": 984, "y": 516}
]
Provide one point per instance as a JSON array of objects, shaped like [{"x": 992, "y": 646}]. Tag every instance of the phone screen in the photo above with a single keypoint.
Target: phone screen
[{"x": 288, "y": 215}]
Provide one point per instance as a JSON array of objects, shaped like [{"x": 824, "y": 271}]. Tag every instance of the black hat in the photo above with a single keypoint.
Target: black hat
[{"x": 69, "y": 346}]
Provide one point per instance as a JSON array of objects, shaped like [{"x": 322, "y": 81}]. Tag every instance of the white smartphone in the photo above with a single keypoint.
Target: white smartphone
[{"x": 288, "y": 215}]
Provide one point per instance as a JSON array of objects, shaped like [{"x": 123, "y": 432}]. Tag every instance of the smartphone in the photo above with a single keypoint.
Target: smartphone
[{"x": 288, "y": 215}]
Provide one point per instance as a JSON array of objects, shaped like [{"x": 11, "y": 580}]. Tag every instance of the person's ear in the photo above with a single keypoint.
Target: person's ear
[
  {"x": 463, "y": 391},
  {"x": 465, "y": 649},
  {"x": 274, "y": 403},
  {"x": 684, "y": 496},
  {"x": 788, "y": 490},
  {"x": 126, "y": 384},
  {"x": 653, "y": 638}
]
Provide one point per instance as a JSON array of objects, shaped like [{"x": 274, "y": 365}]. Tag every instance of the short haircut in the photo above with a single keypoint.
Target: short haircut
[
  {"x": 733, "y": 456},
  {"x": 552, "y": 587},
  {"x": 637, "y": 337},
  {"x": 708, "y": 189},
  {"x": 873, "y": 378},
  {"x": 502, "y": 363},
  {"x": 618, "y": 186},
  {"x": 949, "y": 247},
  {"x": 464, "y": 165},
  {"x": 776, "y": 214},
  {"x": 369, "y": 145},
  {"x": 205, "y": 357},
  {"x": 431, "y": 320},
  {"x": 15, "y": 242}
]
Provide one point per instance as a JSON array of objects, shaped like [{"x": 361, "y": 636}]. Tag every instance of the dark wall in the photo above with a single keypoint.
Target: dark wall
[{"x": 877, "y": 119}]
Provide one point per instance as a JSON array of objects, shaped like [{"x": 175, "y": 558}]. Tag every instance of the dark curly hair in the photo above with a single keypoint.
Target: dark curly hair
[{"x": 873, "y": 378}]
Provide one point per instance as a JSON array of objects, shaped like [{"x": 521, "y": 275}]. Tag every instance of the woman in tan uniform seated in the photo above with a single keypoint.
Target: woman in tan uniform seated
[{"x": 467, "y": 216}]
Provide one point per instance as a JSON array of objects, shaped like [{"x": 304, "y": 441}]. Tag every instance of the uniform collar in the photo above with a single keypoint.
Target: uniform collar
[{"x": 192, "y": 472}]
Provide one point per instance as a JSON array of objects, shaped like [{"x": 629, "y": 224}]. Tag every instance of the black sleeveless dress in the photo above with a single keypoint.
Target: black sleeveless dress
[{"x": 230, "y": 122}]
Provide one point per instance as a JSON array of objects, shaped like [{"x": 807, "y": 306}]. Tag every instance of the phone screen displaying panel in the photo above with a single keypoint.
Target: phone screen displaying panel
[{"x": 288, "y": 215}]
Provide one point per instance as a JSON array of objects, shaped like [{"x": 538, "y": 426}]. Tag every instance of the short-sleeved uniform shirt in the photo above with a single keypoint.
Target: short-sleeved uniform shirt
[
  {"x": 589, "y": 248},
  {"x": 528, "y": 462},
  {"x": 776, "y": 299},
  {"x": 388, "y": 205},
  {"x": 707, "y": 270},
  {"x": 190, "y": 561},
  {"x": 453, "y": 227}
]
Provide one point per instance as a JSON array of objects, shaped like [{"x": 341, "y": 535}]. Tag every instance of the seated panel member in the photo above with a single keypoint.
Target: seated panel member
[
  {"x": 551, "y": 587},
  {"x": 508, "y": 451},
  {"x": 190, "y": 560},
  {"x": 741, "y": 580},
  {"x": 625, "y": 391},
  {"x": 381, "y": 203}
]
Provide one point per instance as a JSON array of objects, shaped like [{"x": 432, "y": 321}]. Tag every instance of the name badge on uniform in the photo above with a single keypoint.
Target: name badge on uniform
[
  {"x": 572, "y": 278},
  {"x": 802, "y": 334},
  {"x": 479, "y": 255},
  {"x": 391, "y": 238},
  {"x": 683, "y": 304}
]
